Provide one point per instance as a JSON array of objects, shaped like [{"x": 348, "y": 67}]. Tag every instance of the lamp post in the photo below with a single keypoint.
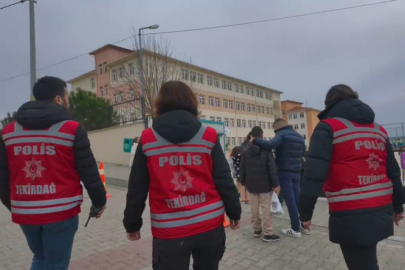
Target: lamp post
[{"x": 155, "y": 26}]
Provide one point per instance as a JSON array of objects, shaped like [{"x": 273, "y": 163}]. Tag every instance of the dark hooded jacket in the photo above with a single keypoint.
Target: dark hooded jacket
[
  {"x": 359, "y": 227},
  {"x": 258, "y": 171},
  {"x": 177, "y": 127},
  {"x": 41, "y": 115}
]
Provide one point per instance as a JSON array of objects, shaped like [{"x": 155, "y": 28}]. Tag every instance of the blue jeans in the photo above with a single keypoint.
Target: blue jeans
[
  {"x": 290, "y": 189},
  {"x": 51, "y": 243}
]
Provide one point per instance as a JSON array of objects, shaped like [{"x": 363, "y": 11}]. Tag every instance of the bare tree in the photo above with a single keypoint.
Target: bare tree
[{"x": 159, "y": 66}]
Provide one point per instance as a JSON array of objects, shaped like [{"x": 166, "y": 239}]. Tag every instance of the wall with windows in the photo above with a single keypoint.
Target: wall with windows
[
  {"x": 298, "y": 120},
  {"x": 87, "y": 83}
]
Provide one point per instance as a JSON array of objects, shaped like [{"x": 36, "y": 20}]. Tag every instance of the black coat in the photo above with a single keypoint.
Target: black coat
[
  {"x": 258, "y": 171},
  {"x": 41, "y": 115},
  {"x": 360, "y": 227},
  {"x": 177, "y": 127},
  {"x": 289, "y": 146}
]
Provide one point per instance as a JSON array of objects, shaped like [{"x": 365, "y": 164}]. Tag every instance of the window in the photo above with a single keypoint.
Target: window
[
  {"x": 253, "y": 108},
  {"x": 230, "y": 104},
  {"x": 115, "y": 98},
  {"x": 249, "y": 108},
  {"x": 247, "y": 91},
  {"x": 101, "y": 91},
  {"x": 209, "y": 80},
  {"x": 258, "y": 109},
  {"x": 233, "y": 141},
  {"x": 201, "y": 99},
  {"x": 271, "y": 111},
  {"x": 226, "y": 122},
  {"x": 132, "y": 95},
  {"x": 223, "y": 84},
  {"x": 184, "y": 74},
  {"x": 236, "y": 88},
  {"x": 257, "y": 93},
  {"x": 242, "y": 106},
  {"x": 106, "y": 90},
  {"x": 301, "y": 114},
  {"x": 237, "y": 105},
  {"x": 296, "y": 126},
  {"x": 231, "y": 122},
  {"x": 264, "y": 125},
  {"x": 238, "y": 123},
  {"x": 216, "y": 82},
  {"x": 283, "y": 112},
  {"x": 271, "y": 125},
  {"x": 219, "y": 119},
  {"x": 203, "y": 117},
  {"x": 228, "y": 141},
  {"x": 268, "y": 110},
  {"x": 261, "y": 94},
  {"x": 250, "y": 123},
  {"x": 92, "y": 83},
  {"x": 225, "y": 102},
  {"x": 131, "y": 69},
  {"x": 122, "y": 97},
  {"x": 290, "y": 116},
  {"x": 240, "y": 140},
  {"x": 121, "y": 73},
  {"x": 200, "y": 78},
  {"x": 212, "y": 118},
  {"x": 211, "y": 101},
  {"x": 229, "y": 86},
  {"x": 259, "y": 123},
  {"x": 254, "y": 123},
  {"x": 304, "y": 136},
  {"x": 268, "y": 95},
  {"x": 252, "y": 92},
  {"x": 100, "y": 69},
  {"x": 241, "y": 89},
  {"x": 105, "y": 67},
  {"x": 193, "y": 77},
  {"x": 302, "y": 125},
  {"x": 114, "y": 76},
  {"x": 268, "y": 125},
  {"x": 295, "y": 116},
  {"x": 244, "y": 123},
  {"x": 217, "y": 102},
  {"x": 262, "y": 109}
]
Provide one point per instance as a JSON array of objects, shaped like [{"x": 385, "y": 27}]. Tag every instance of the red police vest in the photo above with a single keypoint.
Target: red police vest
[
  {"x": 183, "y": 197},
  {"x": 45, "y": 186},
  {"x": 357, "y": 176}
]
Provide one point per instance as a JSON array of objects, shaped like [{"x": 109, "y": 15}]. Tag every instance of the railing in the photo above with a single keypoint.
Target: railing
[{"x": 396, "y": 133}]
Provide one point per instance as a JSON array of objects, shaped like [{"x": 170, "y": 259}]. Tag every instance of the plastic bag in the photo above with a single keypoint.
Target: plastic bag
[{"x": 276, "y": 207}]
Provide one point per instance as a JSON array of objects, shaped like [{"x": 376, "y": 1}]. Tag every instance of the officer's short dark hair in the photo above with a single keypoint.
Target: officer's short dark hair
[
  {"x": 47, "y": 88},
  {"x": 176, "y": 95},
  {"x": 338, "y": 93},
  {"x": 257, "y": 132}
]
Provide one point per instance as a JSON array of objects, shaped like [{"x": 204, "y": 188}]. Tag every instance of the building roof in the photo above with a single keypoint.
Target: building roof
[
  {"x": 110, "y": 46},
  {"x": 81, "y": 76},
  {"x": 292, "y": 101},
  {"x": 129, "y": 56},
  {"x": 297, "y": 109}
]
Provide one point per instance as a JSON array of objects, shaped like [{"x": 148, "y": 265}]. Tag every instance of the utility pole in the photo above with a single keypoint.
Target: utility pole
[{"x": 33, "y": 61}]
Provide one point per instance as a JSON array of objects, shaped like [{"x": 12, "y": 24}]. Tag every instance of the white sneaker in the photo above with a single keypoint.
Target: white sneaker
[
  {"x": 305, "y": 231},
  {"x": 291, "y": 232}
]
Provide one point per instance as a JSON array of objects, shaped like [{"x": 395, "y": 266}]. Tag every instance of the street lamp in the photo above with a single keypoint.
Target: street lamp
[{"x": 155, "y": 26}]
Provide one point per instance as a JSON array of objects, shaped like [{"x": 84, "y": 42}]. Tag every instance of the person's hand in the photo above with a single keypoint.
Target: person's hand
[
  {"x": 235, "y": 224},
  {"x": 134, "y": 236},
  {"x": 307, "y": 225},
  {"x": 100, "y": 213},
  {"x": 398, "y": 218}
]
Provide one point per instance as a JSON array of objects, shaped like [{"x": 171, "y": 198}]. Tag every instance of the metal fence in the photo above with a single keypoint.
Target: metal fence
[
  {"x": 104, "y": 117},
  {"x": 396, "y": 133}
]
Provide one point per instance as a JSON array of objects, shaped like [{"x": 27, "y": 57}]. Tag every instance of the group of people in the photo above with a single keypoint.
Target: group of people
[{"x": 179, "y": 163}]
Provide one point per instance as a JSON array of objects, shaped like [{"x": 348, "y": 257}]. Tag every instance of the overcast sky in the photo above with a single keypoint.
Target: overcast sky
[{"x": 303, "y": 57}]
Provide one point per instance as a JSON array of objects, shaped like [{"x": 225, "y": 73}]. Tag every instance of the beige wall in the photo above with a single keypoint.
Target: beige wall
[
  {"x": 312, "y": 122},
  {"x": 85, "y": 84},
  {"x": 107, "y": 144}
]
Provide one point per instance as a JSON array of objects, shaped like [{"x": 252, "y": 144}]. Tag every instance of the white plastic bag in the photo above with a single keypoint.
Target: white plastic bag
[{"x": 276, "y": 207}]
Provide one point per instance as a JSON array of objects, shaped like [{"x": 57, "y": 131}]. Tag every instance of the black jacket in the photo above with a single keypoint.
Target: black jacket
[
  {"x": 177, "y": 127},
  {"x": 290, "y": 148},
  {"x": 41, "y": 115},
  {"x": 258, "y": 169},
  {"x": 360, "y": 227}
]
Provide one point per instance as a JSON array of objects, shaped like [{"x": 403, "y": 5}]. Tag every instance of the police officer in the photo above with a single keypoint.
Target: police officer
[
  {"x": 351, "y": 157},
  {"x": 181, "y": 164},
  {"x": 43, "y": 157}
]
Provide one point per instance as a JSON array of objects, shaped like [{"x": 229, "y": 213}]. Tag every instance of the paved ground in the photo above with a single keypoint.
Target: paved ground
[{"x": 103, "y": 244}]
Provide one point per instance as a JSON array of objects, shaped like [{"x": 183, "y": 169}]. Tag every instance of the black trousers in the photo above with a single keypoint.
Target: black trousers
[
  {"x": 360, "y": 258},
  {"x": 207, "y": 250}
]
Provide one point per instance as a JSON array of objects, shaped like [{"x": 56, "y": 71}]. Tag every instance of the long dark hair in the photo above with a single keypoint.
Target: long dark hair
[
  {"x": 236, "y": 150},
  {"x": 338, "y": 93}
]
